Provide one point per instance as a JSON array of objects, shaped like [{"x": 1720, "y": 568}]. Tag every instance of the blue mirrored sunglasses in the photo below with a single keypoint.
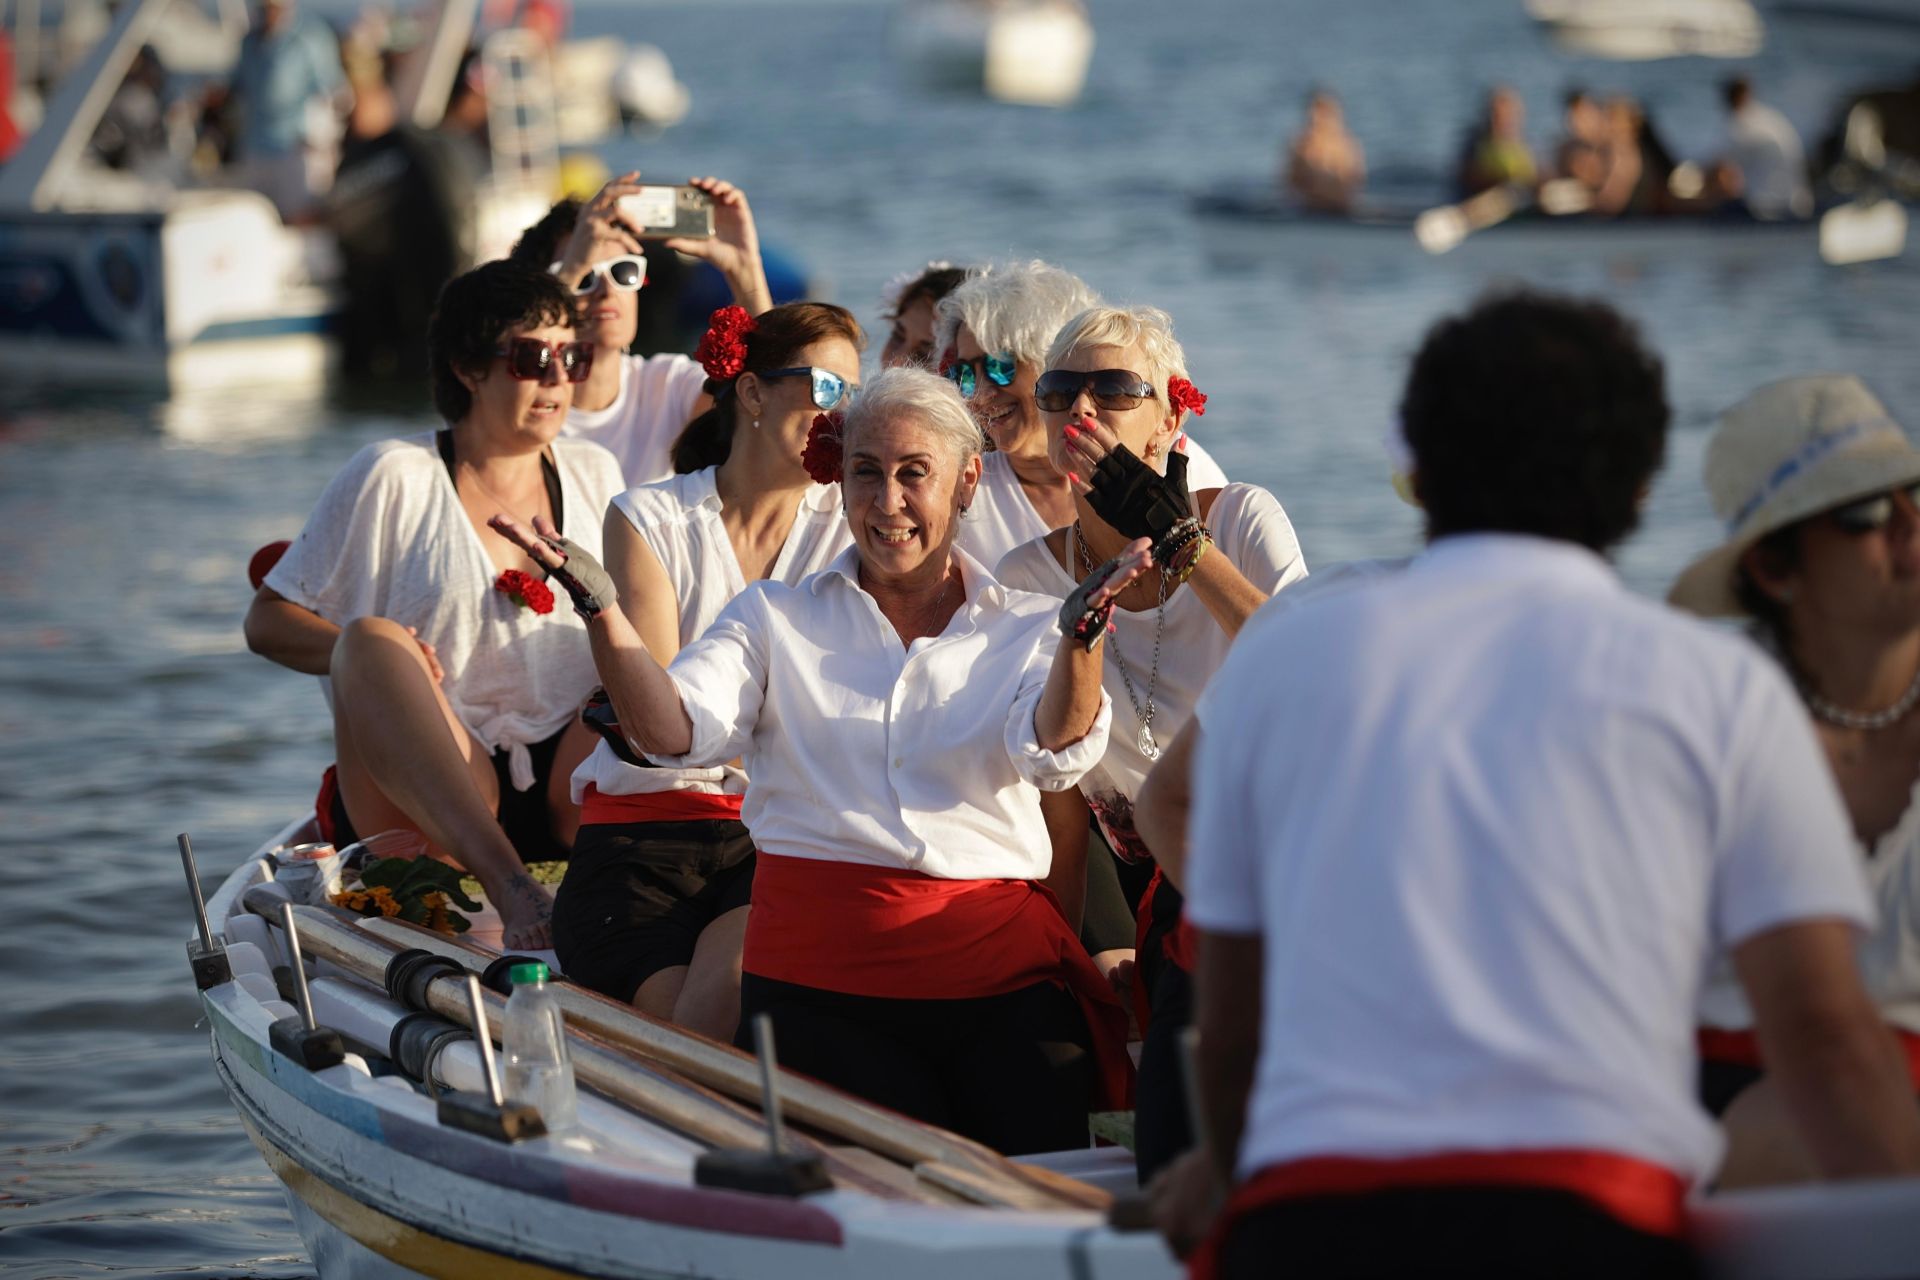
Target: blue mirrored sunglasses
[
  {"x": 999, "y": 370},
  {"x": 829, "y": 389}
]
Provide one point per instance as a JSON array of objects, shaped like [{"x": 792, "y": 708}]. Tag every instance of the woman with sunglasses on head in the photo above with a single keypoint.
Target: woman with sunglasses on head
[
  {"x": 898, "y": 715},
  {"x": 654, "y": 904},
  {"x": 992, "y": 332},
  {"x": 456, "y": 685},
  {"x": 1114, "y": 400},
  {"x": 637, "y": 405},
  {"x": 1819, "y": 489}
]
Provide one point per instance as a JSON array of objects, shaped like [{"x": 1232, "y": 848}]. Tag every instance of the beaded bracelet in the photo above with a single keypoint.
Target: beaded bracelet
[
  {"x": 1179, "y": 536},
  {"x": 1193, "y": 562}
]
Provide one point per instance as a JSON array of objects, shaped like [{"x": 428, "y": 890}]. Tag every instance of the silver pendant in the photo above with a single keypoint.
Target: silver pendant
[{"x": 1148, "y": 747}]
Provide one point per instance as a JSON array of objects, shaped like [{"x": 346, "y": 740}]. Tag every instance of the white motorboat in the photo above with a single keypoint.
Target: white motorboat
[
  {"x": 1034, "y": 52},
  {"x": 1638, "y": 30}
]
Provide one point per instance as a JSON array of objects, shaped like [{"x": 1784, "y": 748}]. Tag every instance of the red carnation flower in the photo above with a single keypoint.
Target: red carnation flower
[
  {"x": 525, "y": 590},
  {"x": 723, "y": 348},
  {"x": 821, "y": 457},
  {"x": 1182, "y": 394},
  {"x": 948, "y": 358}
]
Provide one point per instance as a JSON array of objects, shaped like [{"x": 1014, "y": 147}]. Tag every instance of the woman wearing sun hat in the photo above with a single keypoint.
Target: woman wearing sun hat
[{"x": 1819, "y": 490}]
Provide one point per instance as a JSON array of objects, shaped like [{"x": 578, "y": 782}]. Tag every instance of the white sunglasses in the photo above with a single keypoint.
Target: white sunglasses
[{"x": 626, "y": 272}]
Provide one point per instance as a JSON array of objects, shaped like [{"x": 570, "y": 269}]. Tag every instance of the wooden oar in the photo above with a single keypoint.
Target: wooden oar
[
  {"x": 960, "y": 1161},
  {"x": 1440, "y": 230},
  {"x": 677, "y": 1104}
]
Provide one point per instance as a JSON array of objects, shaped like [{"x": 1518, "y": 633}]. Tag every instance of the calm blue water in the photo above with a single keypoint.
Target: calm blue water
[{"x": 129, "y": 709}]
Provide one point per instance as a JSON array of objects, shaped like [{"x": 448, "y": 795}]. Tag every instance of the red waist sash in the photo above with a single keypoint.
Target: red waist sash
[
  {"x": 1638, "y": 1193},
  {"x": 900, "y": 935},
  {"x": 599, "y": 809},
  {"x": 1742, "y": 1048},
  {"x": 1178, "y": 946}
]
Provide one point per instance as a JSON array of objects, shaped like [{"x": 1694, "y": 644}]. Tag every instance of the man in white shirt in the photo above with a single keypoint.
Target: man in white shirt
[
  {"x": 1464, "y": 837},
  {"x": 1768, "y": 153}
]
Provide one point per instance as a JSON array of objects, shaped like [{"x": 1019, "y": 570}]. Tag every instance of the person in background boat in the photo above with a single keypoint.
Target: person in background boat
[
  {"x": 897, "y": 715},
  {"x": 907, "y": 304},
  {"x": 1581, "y": 154},
  {"x": 1823, "y": 560},
  {"x": 1420, "y": 867},
  {"x": 132, "y": 134},
  {"x": 654, "y": 905},
  {"x": 456, "y": 685},
  {"x": 1325, "y": 166},
  {"x": 1496, "y": 153},
  {"x": 291, "y": 92},
  {"x": 993, "y": 332},
  {"x": 1114, "y": 397},
  {"x": 638, "y": 405},
  {"x": 1768, "y": 153}
]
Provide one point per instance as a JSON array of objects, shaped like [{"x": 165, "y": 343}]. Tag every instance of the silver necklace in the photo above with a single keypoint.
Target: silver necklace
[
  {"x": 1868, "y": 720},
  {"x": 1148, "y": 747}
]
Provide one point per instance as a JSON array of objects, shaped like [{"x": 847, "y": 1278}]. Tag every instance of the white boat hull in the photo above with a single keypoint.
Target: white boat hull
[{"x": 1034, "y": 54}]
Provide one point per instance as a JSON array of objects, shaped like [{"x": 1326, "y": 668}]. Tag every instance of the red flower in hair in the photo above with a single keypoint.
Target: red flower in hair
[
  {"x": 948, "y": 359},
  {"x": 1182, "y": 394},
  {"x": 822, "y": 456},
  {"x": 525, "y": 590},
  {"x": 723, "y": 348}
]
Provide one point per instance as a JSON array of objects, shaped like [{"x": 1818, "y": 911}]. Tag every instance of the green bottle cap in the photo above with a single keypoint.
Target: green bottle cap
[{"x": 525, "y": 974}]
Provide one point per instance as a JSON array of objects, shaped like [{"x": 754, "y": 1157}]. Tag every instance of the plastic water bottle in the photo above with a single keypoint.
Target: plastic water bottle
[{"x": 535, "y": 1040}]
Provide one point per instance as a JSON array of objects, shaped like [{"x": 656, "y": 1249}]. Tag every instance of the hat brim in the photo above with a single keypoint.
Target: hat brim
[{"x": 1706, "y": 586}]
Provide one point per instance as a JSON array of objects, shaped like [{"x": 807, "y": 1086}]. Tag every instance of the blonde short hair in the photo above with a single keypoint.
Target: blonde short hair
[
  {"x": 1148, "y": 329},
  {"x": 1014, "y": 307},
  {"x": 914, "y": 393}
]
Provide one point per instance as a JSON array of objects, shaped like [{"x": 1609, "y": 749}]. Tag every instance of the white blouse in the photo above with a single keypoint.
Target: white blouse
[
  {"x": 1001, "y": 516},
  {"x": 680, "y": 520},
  {"x": 1251, "y": 530},
  {"x": 860, "y": 749},
  {"x": 389, "y": 539},
  {"x": 649, "y": 411}
]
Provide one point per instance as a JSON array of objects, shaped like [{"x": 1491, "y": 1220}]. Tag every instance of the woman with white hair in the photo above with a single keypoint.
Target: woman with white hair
[
  {"x": 1112, "y": 399},
  {"x": 1819, "y": 490},
  {"x": 993, "y": 333},
  {"x": 898, "y": 715}
]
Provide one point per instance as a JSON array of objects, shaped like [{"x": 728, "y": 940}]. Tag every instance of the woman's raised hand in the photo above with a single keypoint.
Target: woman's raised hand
[
  {"x": 1085, "y": 611},
  {"x": 734, "y": 247},
  {"x": 598, "y": 233},
  {"x": 585, "y": 580},
  {"x": 1122, "y": 490}
]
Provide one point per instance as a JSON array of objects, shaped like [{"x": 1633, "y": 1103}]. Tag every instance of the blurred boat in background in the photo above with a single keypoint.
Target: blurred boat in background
[
  {"x": 1638, "y": 30},
  {"x": 1033, "y": 52}
]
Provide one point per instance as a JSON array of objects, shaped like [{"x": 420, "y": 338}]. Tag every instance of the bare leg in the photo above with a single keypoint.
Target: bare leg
[
  {"x": 659, "y": 994},
  {"x": 710, "y": 1001},
  {"x": 405, "y": 760},
  {"x": 563, "y": 815}
]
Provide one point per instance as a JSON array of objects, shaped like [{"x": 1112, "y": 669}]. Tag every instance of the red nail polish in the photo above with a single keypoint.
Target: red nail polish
[{"x": 1071, "y": 476}]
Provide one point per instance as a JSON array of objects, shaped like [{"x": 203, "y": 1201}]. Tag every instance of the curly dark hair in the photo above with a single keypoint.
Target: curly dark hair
[
  {"x": 539, "y": 245},
  {"x": 474, "y": 312},
  {"x": 778, "y": 337},
  {"x": 1535, "y": 413}
]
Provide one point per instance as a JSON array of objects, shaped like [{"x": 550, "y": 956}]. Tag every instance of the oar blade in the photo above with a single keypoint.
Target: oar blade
[{"x": 1859, "y": 232}]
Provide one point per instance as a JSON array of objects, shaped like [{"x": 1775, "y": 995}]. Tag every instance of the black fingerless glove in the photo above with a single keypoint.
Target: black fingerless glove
[
  {"x": 583, "y": 578},
  {"x": 1137, "y": 502}
]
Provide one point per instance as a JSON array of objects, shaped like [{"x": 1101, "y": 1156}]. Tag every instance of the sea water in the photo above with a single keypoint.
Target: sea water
[{"x": 130, "y": 709}]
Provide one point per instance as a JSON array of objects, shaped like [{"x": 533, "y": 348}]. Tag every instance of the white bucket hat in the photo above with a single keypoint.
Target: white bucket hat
[{"x": 1790, "y": 450}]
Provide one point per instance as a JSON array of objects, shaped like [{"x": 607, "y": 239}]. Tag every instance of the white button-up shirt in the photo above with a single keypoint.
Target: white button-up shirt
[
  {"x": 861, "y": 749},
  {"x": 1491, "y": 816}
]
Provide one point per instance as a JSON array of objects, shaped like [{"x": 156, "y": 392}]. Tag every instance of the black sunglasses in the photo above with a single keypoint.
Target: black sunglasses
[
  {"x": 1866, "y": 515},
  {"x": 1057, "y": 389},
  {"x": 529, "y": 359}
]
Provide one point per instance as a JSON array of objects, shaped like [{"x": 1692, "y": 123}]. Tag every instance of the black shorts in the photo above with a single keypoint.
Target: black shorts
[
  {"x": 638, "y": 894},
  {"x": 523, "y": 814}
]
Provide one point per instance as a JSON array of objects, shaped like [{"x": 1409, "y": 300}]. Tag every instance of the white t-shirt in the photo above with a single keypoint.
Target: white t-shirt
[
  {"x": 389, "y": 539},
  {"x": 1774, "y": 164},
  {"x": 1252, "y": 531},
  {"x": 680, "y": 520},
  {"x": 1490, "y": 817},
  {"x": 859, "y": 749},
  {"x": 647, "y": 415},
  {"x": 1001, "y": 517}
]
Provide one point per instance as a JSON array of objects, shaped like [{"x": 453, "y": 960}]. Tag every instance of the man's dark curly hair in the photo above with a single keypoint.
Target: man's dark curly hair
[
  {"x": 474, "y": 312},
  {"x": 539, "y": 245},
  {"x": 1535, "y": 413}
]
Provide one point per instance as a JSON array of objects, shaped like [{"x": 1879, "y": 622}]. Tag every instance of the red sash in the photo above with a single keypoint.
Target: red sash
[
  {"x": 599, "y": 809},
  {"x": 1742, "y": 1048},
  {"x": 1638, "y": 1193},
  {"x": 900, "y": 935},
  {"x": 1177, "y": 946}
]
